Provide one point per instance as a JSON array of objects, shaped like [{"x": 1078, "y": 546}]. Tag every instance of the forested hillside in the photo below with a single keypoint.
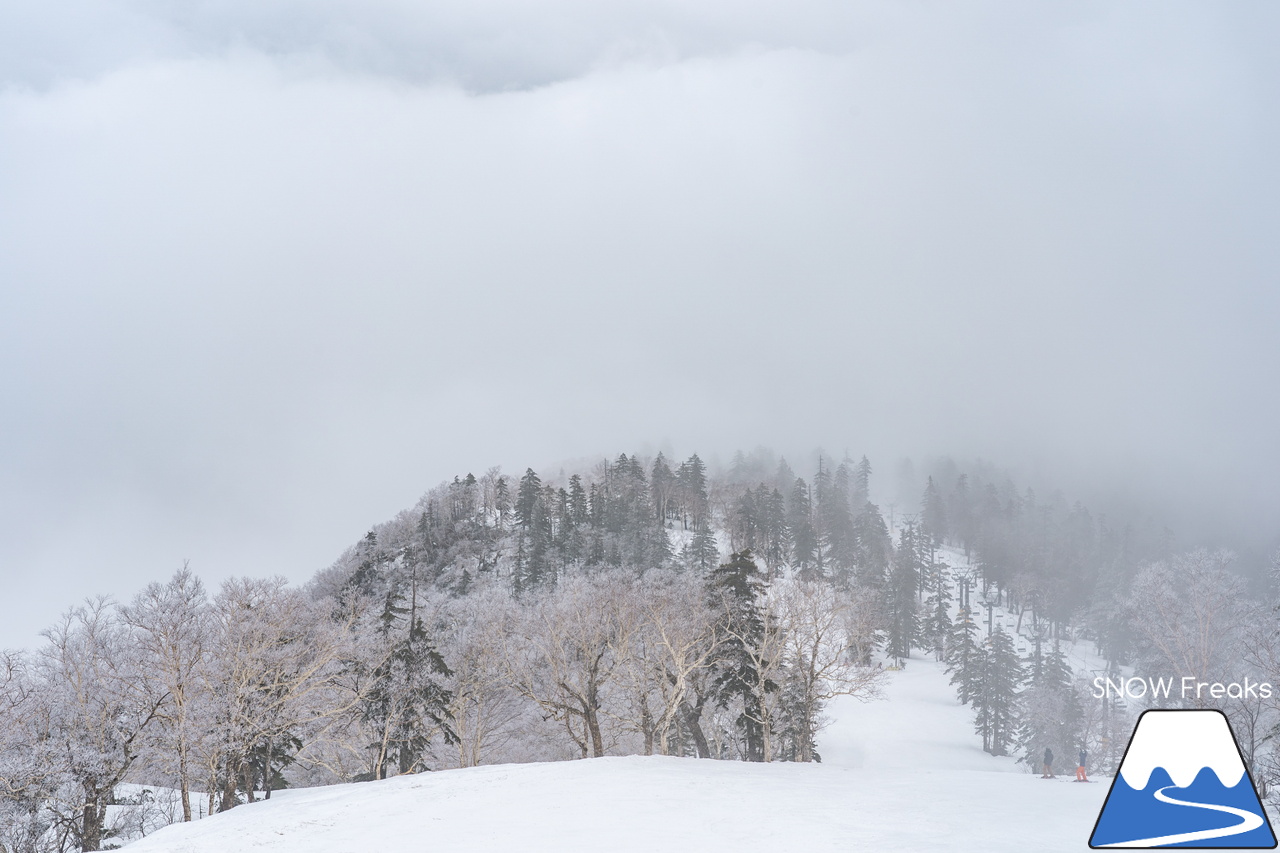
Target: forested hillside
[{"x": 641, "y": 606}]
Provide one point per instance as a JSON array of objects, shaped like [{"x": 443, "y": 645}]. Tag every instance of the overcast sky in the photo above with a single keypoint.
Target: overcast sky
[{"x": 269, "y": 270}]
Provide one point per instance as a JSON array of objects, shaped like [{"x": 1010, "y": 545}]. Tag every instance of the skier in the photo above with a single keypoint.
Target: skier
[
  {"x": 1084, "y": 756},
  {"x": 1048, "y": 763}
]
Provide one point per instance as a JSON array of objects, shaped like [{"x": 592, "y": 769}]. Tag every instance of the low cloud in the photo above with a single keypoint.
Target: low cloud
[{"x": 272, "y": 271}]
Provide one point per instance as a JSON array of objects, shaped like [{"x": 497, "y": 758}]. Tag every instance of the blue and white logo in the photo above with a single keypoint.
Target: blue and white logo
[{"x": 1182, "y": 783}]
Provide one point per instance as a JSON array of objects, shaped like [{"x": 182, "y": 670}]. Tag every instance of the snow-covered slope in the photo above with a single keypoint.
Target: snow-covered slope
[{"x": 902, "y": 774}]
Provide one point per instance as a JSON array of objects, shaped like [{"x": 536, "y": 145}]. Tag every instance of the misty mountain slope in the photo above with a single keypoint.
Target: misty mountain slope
[
  {"x": 1082, "y": 655},
  {"x": 901, "y": 774}
]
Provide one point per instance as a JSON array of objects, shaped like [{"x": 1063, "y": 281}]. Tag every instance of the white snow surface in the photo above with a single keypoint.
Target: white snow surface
[
  {"x": 901, "y": 774},
  {"x": 1183, "y": 743}
]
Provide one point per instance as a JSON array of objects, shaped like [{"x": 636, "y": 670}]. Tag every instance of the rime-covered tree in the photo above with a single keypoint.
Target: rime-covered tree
[
  {"x": 737, "y": 591},
  {"x": 744, "y": 522},
  {"x": 964, "y": 656},
  {"x": 502, "y": 501},
  {"x": 838, "y": 526},
  {"x": 874, "y": 547},
  {"x": 960, "y": 513},
  {"x": 1187, "y": 612},
  {"x": 1052, "y": 715},
  {"x": 29, "y": 782},
  {"x": 561, "y": 654},
  {"x": 996, "y": 700},
  {"x": 97, "y": 708},
  {"x": 775, "y": 538},
  {"x": 861, "y": 493},
  {"x": 533, "y": 567},
  {"x": 823, "y": 629},
  {"x": 171, "y": 627},
  {"x": 701, "y": 552},
  {"x": 276, "y": 666},
  {"x": 933, "y": 514},
  {"x": 662, "y": 482},
  {"x": 691, "y": 487},
  {"x": 901, "y": 601},
  {"x": 527, "y": 498},
  {"x": 935, "y": 624},
  {"x": 804, "y": 539},
  {"x": 406, "y": 702}
]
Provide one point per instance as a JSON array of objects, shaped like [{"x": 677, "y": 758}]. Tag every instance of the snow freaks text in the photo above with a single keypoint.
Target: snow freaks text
[{"x": 1187, "y": 687}]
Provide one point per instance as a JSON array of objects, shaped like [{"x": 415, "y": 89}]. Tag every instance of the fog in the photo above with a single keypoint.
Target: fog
[{"x": 268, "y": 272}]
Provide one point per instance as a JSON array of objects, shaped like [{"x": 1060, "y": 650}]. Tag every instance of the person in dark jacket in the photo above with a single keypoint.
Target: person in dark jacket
[
  {"x": 1048, "y": 763},
  {"x": 1084, "y": 757}
]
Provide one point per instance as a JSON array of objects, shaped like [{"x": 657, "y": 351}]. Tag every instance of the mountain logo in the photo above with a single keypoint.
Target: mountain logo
[{"x": 1182, "y": 783}]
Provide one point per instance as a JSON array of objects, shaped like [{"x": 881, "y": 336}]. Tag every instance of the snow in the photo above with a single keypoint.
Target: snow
[
  {"x": 901, "y": 774},
  {"x": 1164, "y": 739}
]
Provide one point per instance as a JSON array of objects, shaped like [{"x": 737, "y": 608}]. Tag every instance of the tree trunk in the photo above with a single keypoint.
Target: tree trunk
[
  {"x": 691, "y": 719},
  {"x": 266, "y": 771},
  {"x": 581, "y": 742},
  {"x": 805, "y": 752},
  {"x": 766, "y": 735},
  {"x": 593, "y": 727},
  {"x": 247, "y": 769},
  {"x": 91, "y": 823},
  {"x": 229, "y": 789},
  {"x": 646, "y": 723},
  {"x": 185, "y": 784}
]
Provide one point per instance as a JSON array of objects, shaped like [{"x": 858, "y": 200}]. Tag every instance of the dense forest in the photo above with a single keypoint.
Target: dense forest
[{"x": 643, "y": 606}]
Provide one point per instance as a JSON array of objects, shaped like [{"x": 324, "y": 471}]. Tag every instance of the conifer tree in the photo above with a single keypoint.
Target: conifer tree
[
  {"x": 873, "y": 547},
  {"x": 964, "y": 656},
  {"x": 502, "y": 502},
  {"x": 933, "y": 514},
  {"x": 960, "y": 514},
  {"x": 861, "y": 494},
  {"x": 902, "y": 596},
  {"x": 776, "y": 540},
  {"x": 1052, "y": 714},
  {"x": 997, "y": 701},
  {"x": 737, "y": 591},
  {"x": 691, "y": 482},
  {"x": 269, "y": 759},
  {"x": 662, "y": 483},
  {"x": 578, "y": 506},
  {"x": 406, "y": 705},
  {"x": 784, "y": 477},
  {"x": 821, "y": 498},
  {"x": 803, "y": 538},
  {"x": 527, "y": 498},
  {"x": 936, "y": 624},
  {"x": 701, "y": 552},
  {"x": 534, "y": 516},
  {"x": 837, "y": 521},
  {"x": 744, "y": 522},
  {"x": 797, "y": 730}
]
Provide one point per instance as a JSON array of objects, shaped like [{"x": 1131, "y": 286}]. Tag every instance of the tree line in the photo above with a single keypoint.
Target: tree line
[{"x": 642, "y": 606}]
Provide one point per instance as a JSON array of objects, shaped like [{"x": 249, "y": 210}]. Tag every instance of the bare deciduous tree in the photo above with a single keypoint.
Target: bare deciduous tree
[
  {"x": 483, "y": 711},
  {"x": 275, "y": 669},
  {"x": 170, "y": 623},
  {"x": 560, "y": 654},
  {"x": 822, "y": 656},
  {"x": 99, "y": 706},
  {"x": 1188, "y": 612}
]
